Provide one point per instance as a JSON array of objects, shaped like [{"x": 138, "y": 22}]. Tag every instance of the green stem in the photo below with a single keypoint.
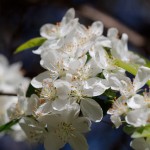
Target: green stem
[{"x": 8, "y": 125}]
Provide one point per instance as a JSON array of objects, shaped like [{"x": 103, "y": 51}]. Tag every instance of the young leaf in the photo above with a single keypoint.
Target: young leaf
[
  {"x": 129, "y": 129},
  {"x": 8, "y": 125},
  {"x": 30, "y": 44},
  {"x": 131, "y": 68}
]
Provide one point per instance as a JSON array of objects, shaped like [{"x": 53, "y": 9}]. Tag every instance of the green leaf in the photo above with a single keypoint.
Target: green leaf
[
  {"x": 8, "y": 125},
  {"x": 30, "y": 44},
  {"x": 111, "y": 94},
  {"x": 129, "y": 129},
  {"x": 131, "y": 68}
]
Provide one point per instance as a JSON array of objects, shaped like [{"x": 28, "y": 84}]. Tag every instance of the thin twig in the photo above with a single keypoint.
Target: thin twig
[
  {"x": 7, "y": 94},
  {"x": 95, "y": 14}
]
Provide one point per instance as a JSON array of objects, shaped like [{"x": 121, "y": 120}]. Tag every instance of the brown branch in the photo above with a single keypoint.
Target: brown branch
[{"x": 7, "y": 94}]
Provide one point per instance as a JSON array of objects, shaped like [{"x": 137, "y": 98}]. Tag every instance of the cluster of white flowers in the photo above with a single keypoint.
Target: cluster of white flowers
[
  {"x": 80, "y": 65},
  {"x": 131, "y": 107},
  {"x": 10, "y": 78}
]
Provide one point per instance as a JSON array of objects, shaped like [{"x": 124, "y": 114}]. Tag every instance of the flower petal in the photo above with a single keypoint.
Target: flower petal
[
  {"x": 139, "y": 144},
  {"x": 3, "y": 61},
  {"x": 82, "y": 124},
  {"x": 78, "y": 142},
  {"x": 37, "y": 81},
  {"x": 142, "y": 76},
  {"x": 112, "y": 33},
  {"x": 97, "y": 28},
  {"x": 137, "y": 117},
  {"x": 91, "y": 109},
  {"x": 70, "y": 14},
  {"x": 69, "y": 27},
  {"x": 59, "y": 104},
  {"x": 52, "y": 120},
  {"x": 116, "y": 120},
  {"x": 137, "y": 101},
  {"x": 53, "y": 142},
  {"x": 49, "y": 31},
  {"x": 94, "y": 87}
]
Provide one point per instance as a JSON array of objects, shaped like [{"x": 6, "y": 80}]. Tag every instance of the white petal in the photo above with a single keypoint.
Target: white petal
[
  {"x": 59, "y": 104},
  {"x": 120, "y": 47},
  {"x": 32, "y": 104},
  {"x": 120, "y": 82},
  {"x": 70, "y": 14},
  {"x": 112, "y": 33},
  {"x": 82, "y": 124},
  {"x": 34, "y": 134},
  {"x": 139, "y": 144},
  {"x": 137, "y": 101},
  {"x": 37, "y": 81},
  {"x": 101, "y": 57},
  {"x": 94, "y": 87},
  {"x": 45, "y": 108},
  {"x": 71, "y": 112},
  {"x": 53, "y": 142},
  {"x": 49, "y": 31},
  {"x": 78, "y": 142},
  {"x": 116, "y": 121},
  {"x": 37, "y": 51},
  {"x": 77, "y": 64},
  {"x": 142, "y": 76},
  {"x": 3, "y": 61},
  {"x": 137, "y": 117},
  {"x": 136, "y": 58},
  {"x": 52, "y": 120},
  {"x": 97, "y": 28},
  {"x": 91, "y": 68},
  {"x": 103, "y": 41},
  {"x": 91, "y": 109},
  {"x": 66, "y": 29},
  {"x": 63, "y": 88}
]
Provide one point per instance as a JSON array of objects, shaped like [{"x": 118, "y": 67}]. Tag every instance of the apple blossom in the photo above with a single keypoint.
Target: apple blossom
[{"x": 120, "y": 48}]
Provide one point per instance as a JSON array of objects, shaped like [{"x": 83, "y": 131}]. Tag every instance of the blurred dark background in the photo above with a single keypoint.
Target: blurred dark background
[{"x": 20, "y": 20}]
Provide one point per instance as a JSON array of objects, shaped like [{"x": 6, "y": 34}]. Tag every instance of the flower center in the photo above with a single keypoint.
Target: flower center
[
  {"x": 128, "y": 89},
  {"x": 49, "y": 91},
  {"x": 119, "y": 107},
  {"x": 77, "y": 94},
  {"x": 64, "y": 131}
]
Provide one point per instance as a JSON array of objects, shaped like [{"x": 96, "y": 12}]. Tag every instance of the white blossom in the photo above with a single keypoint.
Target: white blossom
[
  {"x": 118, "y": 109},
  {"x": 124, "y": 84},
  {"x": 120, "y": 48},
  {"x": 66, "y": 127},
  {"x": 56, "y": 34},
  {"x": 10, "y": 76},
  {"x": 140, "y": 113}
]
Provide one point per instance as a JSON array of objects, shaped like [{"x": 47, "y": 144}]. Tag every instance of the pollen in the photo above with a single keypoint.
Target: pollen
[{"x": 64, "y": 131}]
